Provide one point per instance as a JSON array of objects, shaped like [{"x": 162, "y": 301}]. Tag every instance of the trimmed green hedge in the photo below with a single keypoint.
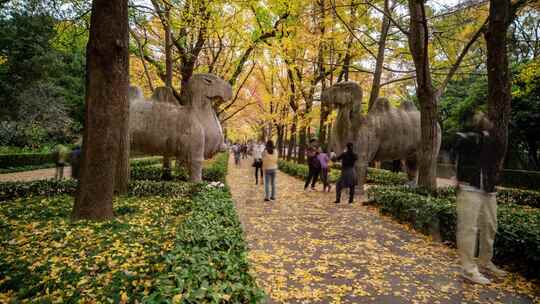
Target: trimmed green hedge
[
  {"x": 518, "y": 236},
  {"x": 25, "y": 159},
  {"x": 523, "y": 179},
  {"x": 18, "y": 166},
  {"x": 374, "y": 176},
  {"x": 26, "y": 168},
  {"x": 12, "y": 190},
  {"x": 214, "y": 171},
  {"x": 209, "y": 258}
]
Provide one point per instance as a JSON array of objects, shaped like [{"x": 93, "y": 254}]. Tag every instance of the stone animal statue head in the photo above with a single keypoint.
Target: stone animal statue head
[
  {"x": 347, "y": 98},
  {"x": 201, "y": 92}
]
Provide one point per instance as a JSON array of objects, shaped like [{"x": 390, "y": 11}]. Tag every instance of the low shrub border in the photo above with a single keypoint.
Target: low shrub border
[
  {"x": 518, "y": 236},
  {"x": 26, "y": 168},
  {"x": 49, "y": 188},
  {"x": 374, "y": 176},
  {"x": 25, "y": 159},
  {"x": 139, "y": 162},
  {"x": 385, "y": 177},
  {"x": 209, "y": 260},
  {"x": 215, "y": 170}
]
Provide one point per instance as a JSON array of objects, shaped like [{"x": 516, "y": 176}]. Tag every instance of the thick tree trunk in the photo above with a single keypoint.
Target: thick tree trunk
[
  {"x": 302, "y": 145},
  {"x": 376, "y": 84},
  {"x": 121, "y": 180},
  {"x": 106, "y": 108},
  {"x": 166, "y": 173},
  {"x": 499, "y": 95},
  {"x": 418, "y": 44},
  {"x": 292, "y": 139},
  {"x": 280, "y": 129}
]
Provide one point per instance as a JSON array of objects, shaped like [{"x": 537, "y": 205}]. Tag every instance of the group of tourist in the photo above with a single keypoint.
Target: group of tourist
[
  {"x": 265, "y": 161},
  {"x": 319, "y": 162}
]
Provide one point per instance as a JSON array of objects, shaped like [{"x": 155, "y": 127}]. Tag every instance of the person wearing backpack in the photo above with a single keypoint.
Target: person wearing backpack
[{"x": 314, "y": 168}]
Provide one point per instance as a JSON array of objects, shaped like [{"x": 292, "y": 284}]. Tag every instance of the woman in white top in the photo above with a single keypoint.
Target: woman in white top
[{"x": 270, "y": 166}]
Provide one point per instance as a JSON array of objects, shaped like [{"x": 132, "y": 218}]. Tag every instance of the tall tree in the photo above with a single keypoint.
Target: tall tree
[
  {"x": 107, "y": 108},
  {"x": 418, "y": 44},
  {"x": 499, "y": 95}
]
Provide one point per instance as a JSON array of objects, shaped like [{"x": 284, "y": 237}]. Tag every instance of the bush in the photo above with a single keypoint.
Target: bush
[
  {"x": 48, "y": 188},
  {"x": 374, "y": 176},
  {"x": 215, "y": 170},
  {"x": 385, "y": 177},
  {"x": 146, "y": 161},
  {"x": 26, "y": 168},
  {"x": 518, "y": 236},
  {"x": 25, "y": 159},
  {"x": 509, "y": 178},
  {"x": 518, "y": 196},
  {"x": 521, "y": 179},
  {"x": 208, "y": 262}
]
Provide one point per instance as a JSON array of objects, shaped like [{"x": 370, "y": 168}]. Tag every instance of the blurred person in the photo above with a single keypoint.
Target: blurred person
[
  {"x": 61, "y": 156},
  {"x": 324, "y": 160},
  {"x": 237, "y": 153},
  {"x": 75, "y": 160},
  {"x": 314, "y": 166},
  {"x": 476, "y": 198},
  {"x": 348, "y": 174},
  {"x": 270, "y": 166},
  {"x": 258, "y": 150}
]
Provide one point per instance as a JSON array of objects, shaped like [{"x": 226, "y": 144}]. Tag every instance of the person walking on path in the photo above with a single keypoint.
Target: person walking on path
[
  {"x": 476, "y": 198},
  {"x": 314, "y": 166},
  {"x": 324, "y": 160},
  {"x": 60, "y": 155},
  {"x": 348, "y": 174},
  {"x": 257, "y": 162},
  {"x": 270, "y": 166},
  {"x": 236, "y": 151},
  {"x": 75, "y": 159}
]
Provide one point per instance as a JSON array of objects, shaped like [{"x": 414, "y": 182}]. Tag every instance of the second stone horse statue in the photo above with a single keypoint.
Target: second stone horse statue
[
  {"x": 385, "y": 133},
  {"x": 189, "y": 132}
]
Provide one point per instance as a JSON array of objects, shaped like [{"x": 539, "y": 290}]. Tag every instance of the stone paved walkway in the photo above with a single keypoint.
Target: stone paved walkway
[{"x": 305, "y": 249}]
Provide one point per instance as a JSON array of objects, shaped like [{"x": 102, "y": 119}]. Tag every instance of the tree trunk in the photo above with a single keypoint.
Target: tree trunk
[
  {"x": 499, "y": 95},
  {"x": 418, "y": 44},
  {"x": 302, "y": 145},
  {"x": 376, "y": 84},
  {"x": 121, "y": 180},
  {"x": 292, "y": 140},
  {"x": 106, "y": 108},
  {"x": 280, "y": 129},
  {"x": 166, "y": 174}
]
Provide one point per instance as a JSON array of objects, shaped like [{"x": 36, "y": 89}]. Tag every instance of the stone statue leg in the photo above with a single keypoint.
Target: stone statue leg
[
  {"x": 196, "y": 163},
  {"x": 412, "y": 171},
  {"x": 361, "y": 172}
]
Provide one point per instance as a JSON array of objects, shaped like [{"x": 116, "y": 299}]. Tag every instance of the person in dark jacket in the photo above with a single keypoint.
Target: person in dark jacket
[
  {"x": 75, "y": 160},
  {"x": 314, "y": 166},
  {"x": 348, "y": 174},
  {"x": 476, "y": 198}
]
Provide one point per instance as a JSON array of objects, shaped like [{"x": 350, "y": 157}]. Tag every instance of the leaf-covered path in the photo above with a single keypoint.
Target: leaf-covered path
[{"x": 305, "y": 249}]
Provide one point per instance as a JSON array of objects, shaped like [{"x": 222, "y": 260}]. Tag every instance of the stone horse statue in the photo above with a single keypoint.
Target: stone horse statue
[
  {"x": 385, "y": 133},
  {"x": 190, "y": 132}
]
